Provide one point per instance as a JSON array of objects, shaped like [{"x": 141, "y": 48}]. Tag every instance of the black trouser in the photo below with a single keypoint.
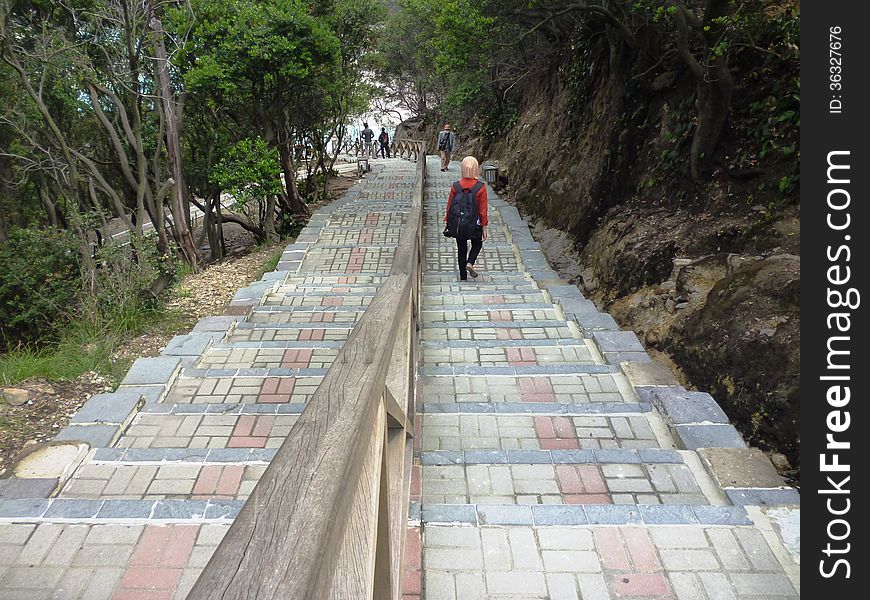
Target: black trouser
[
  {"x": 385, "y": 147},
  {"x": 464, "y": 257}
]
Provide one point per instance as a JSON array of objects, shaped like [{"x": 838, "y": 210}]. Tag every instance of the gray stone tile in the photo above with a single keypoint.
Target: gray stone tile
[
  {"x": 68, "y": 508},
  {"x": 559, "y": 514},
  {"x": 763, "y": 497},
  {"x": 694, "y": 437},
  {"x": 449, "y": 513},
  {"x": 155, "y": 370},
  {"x": 613, "y": 514},
  {"x": 499, "y": 514},
  {"x": 36, "y": 487},
  {"x": 115, "y": 408},
  {"x": 96, "y": 436}
]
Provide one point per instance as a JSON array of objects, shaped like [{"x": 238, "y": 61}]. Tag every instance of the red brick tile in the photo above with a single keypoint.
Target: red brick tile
[
  {"x": 246, "y": 442},
  {"x": 270, "y": 385},
  {"x": 559, "y": 444},
  {"x": 564, "y": 428},
  {"x": 641, "y": 584},
  {"x": 611, "y": 549},
  {"x": 180, "y": 545},
  {"x": 641, "y": 549},
  {"x": 413, "y": 548},
  {"x": 493, "y": 299},
  {"x": 263, "y": 426},
  {"x": 592, "y": 480},
  {"x": 272, "y": 399},
  {"x": 499, "y": 315},
  {"x": 230, "y": 480},
  {"x": 286, "y": 385},
  {"x": 587, "y": 499},
  {"x": 149, "y": 549},
  {"x": 244, "y": 425},
  {"x": 332, "y": 301},
  {"x": 206, "y": 482},
  {"x": 150, "y": 578},
  {"x": 544, "y": 428},
  {"x": 124, "y": 594},
  {"x": 416, "y": 482},
  {"x": 322, "y": 317},
  {"x": 569, "y": 480}
]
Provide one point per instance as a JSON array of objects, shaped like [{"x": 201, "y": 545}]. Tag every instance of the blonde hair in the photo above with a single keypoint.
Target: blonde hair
[{"x": 469, "y": 167}]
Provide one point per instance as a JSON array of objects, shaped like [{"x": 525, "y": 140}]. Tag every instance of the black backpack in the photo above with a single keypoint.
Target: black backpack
[
  {"x": 443, "y": 141},
  {"x": 463, "y": 220}
]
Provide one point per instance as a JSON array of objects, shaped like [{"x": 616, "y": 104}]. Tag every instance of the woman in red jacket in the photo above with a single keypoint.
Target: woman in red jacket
[{"x": 470, "y": 173}]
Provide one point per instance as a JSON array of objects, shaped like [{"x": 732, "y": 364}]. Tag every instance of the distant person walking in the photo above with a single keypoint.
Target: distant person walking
[
  {"x": 367, "y": 135},
  {"x": 384, "y": 140},
  {"x": 446, "y": 140},
  {"x": 467, "y": 216}
]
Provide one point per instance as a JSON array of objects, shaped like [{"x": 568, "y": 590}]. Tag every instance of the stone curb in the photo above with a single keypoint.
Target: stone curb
[
  {"x": 117, "y": 408},
  {"x": 229, "y": 409},
  {"x": 217, "y": 324},
  {"x": 541, "y": 343},
  {"x": 494, "y": 325},
  {"x": 309, "y": 345},
  {"x": 192, "y": 344},
  {"x": 534, "y": 408},
  {"x": 96, "y": 511},
  {"x": 28, "y": 487},
  {"x": 550, "y": 457},
  {"x": 159, "y": 370},
  {"x": 582, "y": 515},
  {"x": 567, "y": 369},
  {"x": 183, "y": 455}
]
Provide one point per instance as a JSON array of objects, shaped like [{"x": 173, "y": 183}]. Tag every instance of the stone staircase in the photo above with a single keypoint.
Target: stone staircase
[
  {"x": 555, "y": 460},
  {"x": 136, "y": 493}
]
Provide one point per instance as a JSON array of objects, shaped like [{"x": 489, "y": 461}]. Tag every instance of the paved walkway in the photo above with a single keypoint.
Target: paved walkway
[
  {"x": 552, "y": 459},
  {"x": 556, "y": 461},
  {"x": 175, "y": 451}
]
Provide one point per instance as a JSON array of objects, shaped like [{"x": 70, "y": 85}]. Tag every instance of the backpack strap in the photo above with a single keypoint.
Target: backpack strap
[
  {"x": 476, "y": 188},
  {"x": 457, "y": 187}
]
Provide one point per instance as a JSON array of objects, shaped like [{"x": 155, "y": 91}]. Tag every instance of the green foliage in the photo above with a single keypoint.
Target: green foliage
[
  {"x": 39, "y": 282},
  {"x": 248, "y": 171}
]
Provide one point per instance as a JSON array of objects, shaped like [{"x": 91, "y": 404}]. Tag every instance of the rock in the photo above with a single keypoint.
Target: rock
[
  {"x": 16, "y": 396},
  {"x": 780, "y": 461},
  {"x": 670, "y": 305},
  {"x": 682, "y": 305}
]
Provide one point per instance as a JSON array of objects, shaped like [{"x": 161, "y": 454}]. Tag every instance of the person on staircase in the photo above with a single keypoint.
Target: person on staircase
[
  {"x": 384, "y": 140},
  {"x": 446, "y": 141},
  {"x": 467, "y": 216},
  {"x": 367, "y": 135}
]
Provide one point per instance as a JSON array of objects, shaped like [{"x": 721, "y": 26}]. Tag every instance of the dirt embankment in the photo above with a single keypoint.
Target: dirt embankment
[{"x": 707, "y": 274}]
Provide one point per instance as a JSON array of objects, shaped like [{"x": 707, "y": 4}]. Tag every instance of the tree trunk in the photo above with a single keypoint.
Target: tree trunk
[
  {"x": 180, "y": 224},
  {"x": 713, "y": 104},
  {"x": 288, "y": 168}
]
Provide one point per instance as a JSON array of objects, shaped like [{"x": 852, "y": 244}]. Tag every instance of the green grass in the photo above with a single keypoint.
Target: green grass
[{"x": 90, "y": 339}]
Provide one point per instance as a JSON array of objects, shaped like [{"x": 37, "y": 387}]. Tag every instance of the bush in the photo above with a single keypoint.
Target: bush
[{"x": 39, "y": 283}]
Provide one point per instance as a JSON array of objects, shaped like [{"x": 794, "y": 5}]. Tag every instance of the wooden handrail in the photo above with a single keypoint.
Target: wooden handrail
[{"x": 327, "y": 518}]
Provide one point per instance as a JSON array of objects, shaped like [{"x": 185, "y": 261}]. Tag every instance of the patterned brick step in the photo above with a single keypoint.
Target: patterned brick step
[
  {"x": 499, "y": 330},
  {"x": 369, "y": 236},
  {"x": 549, "y": 561},
  {"x": 157, "y": 482},
  {"x": 316, "y": 314},
  {"x": 314, "y": 281},
  {"x": 150, "y": 430},
  {"x": 224, "y": 393},
  {"x": 542, "y": 312},
  {"x": 526, "y": 353},
  {"x": 434, "y": 290},
  {"x": 511, "y": 371},
  {"x": 470, "y": 298},
  {"x": 348, "y": 261},
  {"x": 104, "y": 561},
  {"x": 543, "y": 432},
  {"x": 561, "y": 483},
  {"x": 318, "y": 357},
  {"x": 352, "y": 218},
  {"x": 549, "y": 388},
  {"x": 443, "y": 258},
  {"x": 499, "y": 277},
  {"x": 290, "y": 333}
]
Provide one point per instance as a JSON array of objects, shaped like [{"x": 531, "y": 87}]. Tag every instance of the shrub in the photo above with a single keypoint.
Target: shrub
[{"x": 39, "y": 283}]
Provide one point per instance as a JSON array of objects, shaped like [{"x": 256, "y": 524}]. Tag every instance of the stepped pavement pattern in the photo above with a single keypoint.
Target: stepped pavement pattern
[{"x": 553, "y": 459}]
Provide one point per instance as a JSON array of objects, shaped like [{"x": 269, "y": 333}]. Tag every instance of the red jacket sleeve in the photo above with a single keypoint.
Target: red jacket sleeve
[{"x": 482, "y": 206}]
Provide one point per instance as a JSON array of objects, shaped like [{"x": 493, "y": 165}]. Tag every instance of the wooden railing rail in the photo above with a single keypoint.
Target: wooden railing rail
[
  {"x": 327, "y": 519},
  {"x": 402, "y": 148}
]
